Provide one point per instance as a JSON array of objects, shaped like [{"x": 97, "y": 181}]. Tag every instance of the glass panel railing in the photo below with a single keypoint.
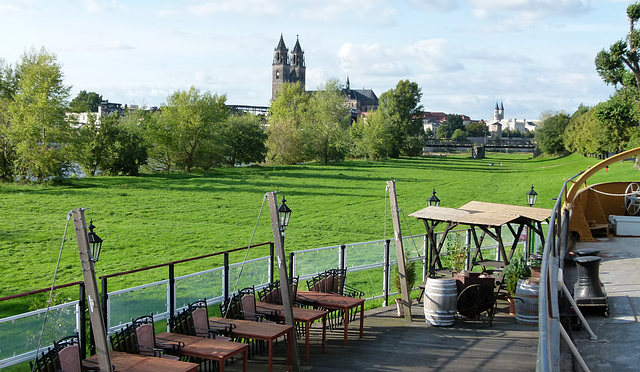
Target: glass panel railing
[{"x": 137, "y": 301}]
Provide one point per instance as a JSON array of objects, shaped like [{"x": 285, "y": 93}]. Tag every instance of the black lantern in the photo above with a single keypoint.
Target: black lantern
[
  {"x": 95, "y": 243},
  {"x": 433, "y": 200},
  {"x": 285, "y": 213},
  {"x": 532, "y": 196}
]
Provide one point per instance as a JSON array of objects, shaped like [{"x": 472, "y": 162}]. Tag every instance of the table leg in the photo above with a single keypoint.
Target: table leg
[
  {"x": 306, "y": 341},
  {"x": 362, "y": 320},
  {"x": 245, "y": 358},
  {"x": 346, "y": 326},
  {"x": 221, "y": 364},
  {"x": 271, "y": 355},
  {"x": 324, "y": 333},
  {"x": 289, "y": 342}
]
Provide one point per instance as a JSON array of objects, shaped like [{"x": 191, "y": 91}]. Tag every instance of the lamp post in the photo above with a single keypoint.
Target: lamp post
[
  {"x": 89, "y": 246},
  {"x": 532, "y": 196},
  {"x": 284, "y": 213},
  {"x": 433, "y": 200}
]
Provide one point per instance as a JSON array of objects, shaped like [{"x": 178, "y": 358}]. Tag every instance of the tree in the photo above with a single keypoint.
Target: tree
[
  {"x": 549, "y": 136},
  {"x": 618, "y": 116},
  {"x": 286, "y": 116},
  {"x": 621, "y": 59},
  {"x": 455, "y": 122},
  {"x": 325, "y": 133},
  {"x": 402, "y": 106},
  {"x": 187, "y": 132},
  {"x": 444, "y": 131},
  {"x": 8, "y": 87},
  {"x": 38, "y": 127},
  {"x": 244, "y": 138},
  {"x": 372, "y": 136},
  {"x": 85, "y": 102},
  {"x": 459, "y": 135},
  {"x": 477, "y": 129}
]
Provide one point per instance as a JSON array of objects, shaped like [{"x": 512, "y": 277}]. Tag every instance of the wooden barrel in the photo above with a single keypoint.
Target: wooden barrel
[
  {"x": 527, "y": 301},
  {"x": 440, "y": 297}
]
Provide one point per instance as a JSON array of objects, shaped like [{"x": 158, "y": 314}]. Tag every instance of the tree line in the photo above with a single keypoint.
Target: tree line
[
  {"x": 611, "y": 126},
  {"x": 40, "y": 138}
]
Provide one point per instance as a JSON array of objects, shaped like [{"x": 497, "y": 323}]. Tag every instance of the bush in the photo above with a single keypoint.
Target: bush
[{"x": 516, "y": 270}]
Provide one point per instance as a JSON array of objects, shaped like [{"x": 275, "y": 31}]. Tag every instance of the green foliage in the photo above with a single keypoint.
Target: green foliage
[
  {"x": 38, "y": 128},
  {"x": 458, "y": 252},
  {"x": 517, "y": 269},
  {"x": 371, "y": 137},
  {"x": 617, "y": 116},
  {"x": 325, "y": 132},
  {"x": 549, "y": 135},
  {"x": 287, "y": 114},
  {"x": 244, "y": 138},
  {"x": 85, "y": 102},
  {"x": 459, "y": 135},
  {"x": 411, "y": 273},
  {"x": 477, "y": 129},
  {"x": 187, "y": 132},
  {"x": 403, "y": 109}
]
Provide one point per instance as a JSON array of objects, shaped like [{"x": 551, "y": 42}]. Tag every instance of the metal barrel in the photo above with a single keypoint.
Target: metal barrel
[
  {"x": 527, "y": 301},
  {"x": 440, "y": 298}
]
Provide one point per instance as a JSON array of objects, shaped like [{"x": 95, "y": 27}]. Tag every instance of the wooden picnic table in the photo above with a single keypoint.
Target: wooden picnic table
[
  {"x": 208, "y": 348},
  {"x": 138, "y": 363},
  {"x": 265, "y": 331},
  {"x": 301, "y": 315},
  {"x": 334, "y": 302}
]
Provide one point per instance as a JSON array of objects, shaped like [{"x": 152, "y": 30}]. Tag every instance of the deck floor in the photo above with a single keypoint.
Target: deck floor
[
  {"x": 618, "y": 345},
  {"x": 392, "y": 344}
]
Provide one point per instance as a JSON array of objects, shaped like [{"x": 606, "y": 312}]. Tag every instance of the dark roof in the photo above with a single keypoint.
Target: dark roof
[
  {"x": 296, "y": 49},
  {"x": 366, "y": 96}
]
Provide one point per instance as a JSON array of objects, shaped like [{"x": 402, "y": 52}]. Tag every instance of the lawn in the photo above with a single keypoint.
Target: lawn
[{"x": 157, "y": 218}]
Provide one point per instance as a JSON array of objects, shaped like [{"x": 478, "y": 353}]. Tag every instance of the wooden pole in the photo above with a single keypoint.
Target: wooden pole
[
  {"x": 391, "y": 185},
  {"x": 91, "y": 287},
  {"x": 281, "y": 259}
]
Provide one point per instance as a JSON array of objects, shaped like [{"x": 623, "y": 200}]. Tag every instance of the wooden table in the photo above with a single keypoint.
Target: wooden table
[
  {"x": 334, "y": 302},
  {"x": 265, "y": 331},
  {"x": 301, "y": 315},
  {"x": 138, "y": 363},
  {"x": 208, "y": 348}
]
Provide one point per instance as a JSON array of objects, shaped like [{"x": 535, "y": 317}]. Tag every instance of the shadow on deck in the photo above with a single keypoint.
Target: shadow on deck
[{"x": 392, "y": 344}]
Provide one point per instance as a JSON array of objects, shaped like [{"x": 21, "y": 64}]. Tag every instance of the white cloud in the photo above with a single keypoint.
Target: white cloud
[
  {"x": 517, "y": 14},
  {"x": 97, "y": 6},
  {"x": 240, "y": 7}
]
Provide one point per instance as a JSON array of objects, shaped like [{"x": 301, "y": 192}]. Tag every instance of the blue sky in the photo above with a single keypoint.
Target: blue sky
[{"x": 532, "y": 55}]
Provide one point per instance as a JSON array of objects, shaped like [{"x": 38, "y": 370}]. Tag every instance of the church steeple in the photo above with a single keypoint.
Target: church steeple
[{"x": 285, "y": 70}]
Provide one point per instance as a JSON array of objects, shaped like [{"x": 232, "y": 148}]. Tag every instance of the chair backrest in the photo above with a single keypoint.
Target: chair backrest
[
  {"x": 145, "y": 334},
  {"x": 182, "y": 323},
  {"x": 200, "y": 321},
  {"x": 248, "y": 306},
  {"x": 47, "y": 362},
  {"x": 125, "y": 340},
  {"x": 270, "y": 293},
  {"x": 339, "y": 278},
  {"x": 70, "y": 359}
]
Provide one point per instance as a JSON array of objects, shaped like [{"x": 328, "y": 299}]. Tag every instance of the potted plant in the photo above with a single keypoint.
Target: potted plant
[
  {"x": 410, "y": 272},
  {"x": 516, "y": 270}
]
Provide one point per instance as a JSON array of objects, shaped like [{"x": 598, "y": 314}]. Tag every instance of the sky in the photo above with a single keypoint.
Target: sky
[{"x": 533, "y": 56}]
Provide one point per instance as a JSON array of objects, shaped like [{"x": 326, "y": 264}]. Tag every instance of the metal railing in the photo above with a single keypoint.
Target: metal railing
[
  {"x": 549, "y": 327},
  {"x": 367, "y": 262}
]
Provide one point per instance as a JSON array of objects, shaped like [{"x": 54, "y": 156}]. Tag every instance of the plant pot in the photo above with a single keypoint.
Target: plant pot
[
  {"x": 400, "y": 308},
  {"x": 535, "y": 271},
  {"x": 512, "y": 306}
]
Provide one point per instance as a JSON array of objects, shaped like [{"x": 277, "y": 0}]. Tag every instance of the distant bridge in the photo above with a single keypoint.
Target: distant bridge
[
  {"x": 255, "y": 110},
  {"x": 502, "y": 144}
]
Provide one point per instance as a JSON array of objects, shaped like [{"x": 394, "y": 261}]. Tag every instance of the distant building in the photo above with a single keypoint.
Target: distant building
[
  {"x": 285, "y": 70},
  {"x": 360, "y": 101},
  {"x": 432, "y": 120},
  {"x": 511, "y": 124}
]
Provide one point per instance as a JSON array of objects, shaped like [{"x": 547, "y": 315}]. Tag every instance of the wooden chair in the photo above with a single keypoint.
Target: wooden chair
[
  {"x": 202, "y": 328},
  {"x": 242, "y": 305},
  {"x": 146, "y": 340},
  {"x": 64, "y": 356}
]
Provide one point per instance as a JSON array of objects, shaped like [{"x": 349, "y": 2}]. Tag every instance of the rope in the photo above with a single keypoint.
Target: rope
[
  {"x": 55, "y": 275},
  {"x": 246, "y": 253},
  {"x": 413, "y": 239},
  {"x": 635, "y": 193}
]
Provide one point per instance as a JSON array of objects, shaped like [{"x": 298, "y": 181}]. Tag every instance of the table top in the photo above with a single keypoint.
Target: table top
[
  {"x": 254, "y": 330},
  {"x": 204, "y": 347},
  {"x": 328, "y": 300},
  {"x": 138, "y": 363},
  {"x": 300, "y": 314}
]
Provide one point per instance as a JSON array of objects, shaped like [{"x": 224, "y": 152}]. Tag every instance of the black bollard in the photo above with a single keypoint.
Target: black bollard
[{"x": 588, "y": 286}]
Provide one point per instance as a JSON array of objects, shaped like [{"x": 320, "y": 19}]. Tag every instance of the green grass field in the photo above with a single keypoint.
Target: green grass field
[{"x": 158, "y": 218}]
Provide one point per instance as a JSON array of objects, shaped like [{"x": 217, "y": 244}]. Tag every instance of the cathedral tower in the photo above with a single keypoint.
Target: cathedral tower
[{"x": 285, "y": 70}]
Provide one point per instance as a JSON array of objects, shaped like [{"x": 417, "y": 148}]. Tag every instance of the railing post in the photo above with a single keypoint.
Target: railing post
[
  {"x": 172, "y": 291},
  {"x": 385, "y": 276},
  {"x": 292, "y": 258},
  {"x": 82, "y": 327},
  {"x": 341, "y": 259},
  {"x": 225, "y": 276},
  {"x": 272, "y": 254},
  {"x": 105, "y": 299}
]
